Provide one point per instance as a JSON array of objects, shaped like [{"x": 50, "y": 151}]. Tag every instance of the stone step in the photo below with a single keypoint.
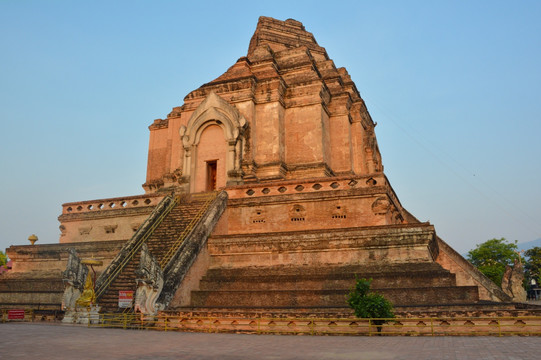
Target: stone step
[
  {"x": 31, "y": 305},
  {"x": 32, "y": 297},
  {"x": 7, "y": 285},
  {"x": 361, "y": 270},
  {"x": 322, "y": 282},
  {"x": 330, "y": 298},
  {"x": 332, "y": 277},
  {"x": 120, "y": 286}
]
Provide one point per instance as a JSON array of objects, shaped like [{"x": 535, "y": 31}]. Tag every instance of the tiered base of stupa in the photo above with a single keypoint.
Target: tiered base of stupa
[
  {"x": 296, "y": 247},
  {"x": 300, "y": 245}
]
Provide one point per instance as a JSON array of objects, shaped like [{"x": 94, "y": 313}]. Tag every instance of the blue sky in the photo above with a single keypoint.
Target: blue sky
[{"x": 455, "y": 88}]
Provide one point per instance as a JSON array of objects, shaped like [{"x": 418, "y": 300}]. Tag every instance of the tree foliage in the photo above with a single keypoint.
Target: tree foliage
[
  {"x": 368, "y": 304},
  {"x": 533, "y": 263},
  {"x": 492, "y": 256},
  {"x": 3, "y": 258}
]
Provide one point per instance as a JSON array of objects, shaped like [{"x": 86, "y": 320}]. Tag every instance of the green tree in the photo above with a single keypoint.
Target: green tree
[
  {"x": 3, "y": 259},
  {"x": 533, "y": 263},
  {"x": 492, "y": 256},
  {"x": 367, "y": 304}
]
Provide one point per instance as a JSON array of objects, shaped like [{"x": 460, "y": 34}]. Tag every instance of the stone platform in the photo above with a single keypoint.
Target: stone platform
[
  {"x": 316, "y": 269},
  {"x": 328, "y": 286}
]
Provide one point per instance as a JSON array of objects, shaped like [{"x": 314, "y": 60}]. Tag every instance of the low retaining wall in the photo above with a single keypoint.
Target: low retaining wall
[
  {"x": 485, "y": 326},
  {"x": 308, "y": 325}
]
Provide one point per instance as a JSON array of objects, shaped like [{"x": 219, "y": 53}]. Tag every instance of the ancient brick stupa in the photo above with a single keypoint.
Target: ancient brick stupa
[{"x": 264, "y": 190}]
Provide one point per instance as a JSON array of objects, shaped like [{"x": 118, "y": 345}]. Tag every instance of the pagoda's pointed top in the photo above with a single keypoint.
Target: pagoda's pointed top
[{"x": 282, "y": 35}]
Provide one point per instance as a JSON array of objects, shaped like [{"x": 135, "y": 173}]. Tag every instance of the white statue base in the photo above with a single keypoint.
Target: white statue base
[
  {"x": 70, "y": 316},
  {"x": 85, "y": 316}
]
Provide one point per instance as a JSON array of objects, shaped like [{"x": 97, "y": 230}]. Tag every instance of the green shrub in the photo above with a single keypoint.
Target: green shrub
[{"x": 368, "y": 304}]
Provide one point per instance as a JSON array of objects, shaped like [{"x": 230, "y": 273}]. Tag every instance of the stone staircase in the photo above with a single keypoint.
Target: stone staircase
[
  {"x": 163, "y": 243},
  {"x": 124, "y": 281}
]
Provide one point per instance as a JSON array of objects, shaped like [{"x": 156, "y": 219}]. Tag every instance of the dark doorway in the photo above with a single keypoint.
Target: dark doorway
[{"x": 211, "y": 175}]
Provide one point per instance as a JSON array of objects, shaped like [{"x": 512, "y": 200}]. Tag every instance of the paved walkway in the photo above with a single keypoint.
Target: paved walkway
[{"x": 55, "y": 341}]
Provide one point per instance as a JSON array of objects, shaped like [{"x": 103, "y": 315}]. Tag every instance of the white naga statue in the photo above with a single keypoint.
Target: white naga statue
[
  {"x": 149, "y": 283},
  {"x": 74, "y": 280}
]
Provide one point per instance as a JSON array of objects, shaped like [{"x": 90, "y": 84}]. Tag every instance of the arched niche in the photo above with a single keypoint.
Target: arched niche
[{"x": 214, "y": 112}]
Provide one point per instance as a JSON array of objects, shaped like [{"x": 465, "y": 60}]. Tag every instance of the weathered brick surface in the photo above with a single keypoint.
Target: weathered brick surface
[
  {"x": 317, "y": 269},
  {"x": 302, "y": 113}
]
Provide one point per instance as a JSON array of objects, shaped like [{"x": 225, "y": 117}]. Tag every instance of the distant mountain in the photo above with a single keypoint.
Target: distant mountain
[{"x": 529, "y": 244}]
